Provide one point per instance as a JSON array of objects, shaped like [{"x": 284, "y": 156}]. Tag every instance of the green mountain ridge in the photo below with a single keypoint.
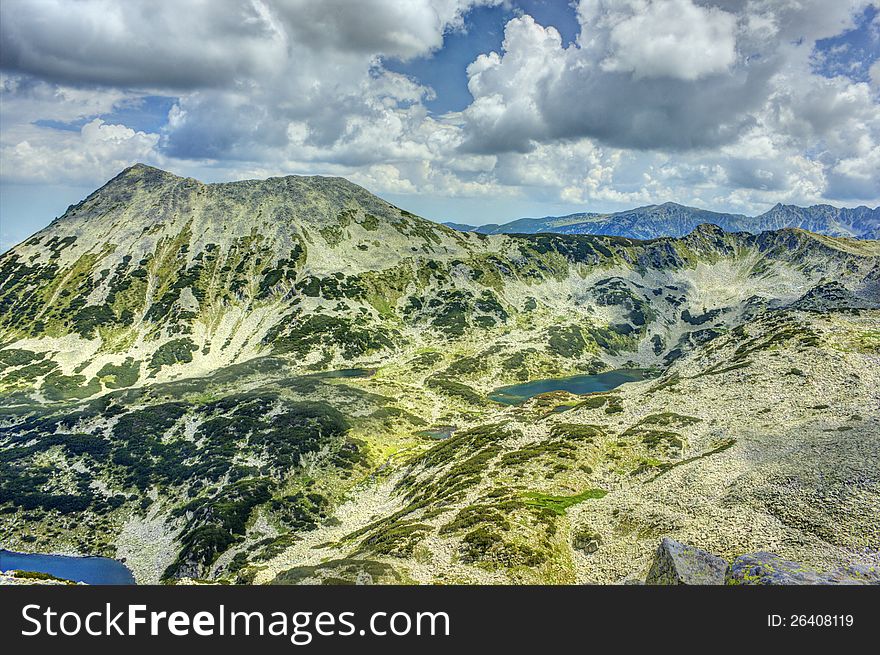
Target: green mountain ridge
[
  {"x": 238, "y": 382},
  {"x": 153, "y": 271}
]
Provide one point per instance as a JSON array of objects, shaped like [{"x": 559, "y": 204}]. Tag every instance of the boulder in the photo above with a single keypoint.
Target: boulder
[
  {"x": 770, "y": 569},
  {"x": 866, "y": 573},
  {"x": 676, "y": 563},
  {"x": 586, "y": 541}
]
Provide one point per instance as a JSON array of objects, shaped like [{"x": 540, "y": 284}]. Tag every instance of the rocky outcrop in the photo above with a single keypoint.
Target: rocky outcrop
[
  {"x": 17, "y": 577},
  {"x": 769, "y": 569},
  {"x": 676, "y": 563},
  {"x": 830, "y": 296}
]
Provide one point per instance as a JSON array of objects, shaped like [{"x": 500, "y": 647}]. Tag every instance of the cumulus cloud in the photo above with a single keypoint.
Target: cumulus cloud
[
  {"x": 204, "y": 45},
  {"x": 537, "y": 91},
  {"x": 704, "y": 81},
  {"x": 137, "y": 44},
  {"x": 253, "y": 80},
  {"x": 875, "y": 74},
  {"x": 672, "y": 38},
  {"x": 98, "y": 149},
  {"x": 710, "y": 102},
  {"x": 644, "y": 74}
]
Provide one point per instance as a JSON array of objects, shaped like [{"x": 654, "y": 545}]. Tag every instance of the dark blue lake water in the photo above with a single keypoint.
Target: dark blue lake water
[
  {"x": 91, "y": 570},
  {"x": 577, "y": 384}
]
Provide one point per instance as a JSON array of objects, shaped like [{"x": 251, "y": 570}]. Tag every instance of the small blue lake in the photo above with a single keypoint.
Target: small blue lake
[
  {"x": 577, "y": 384},
  {"x": 91, "y": 570}
]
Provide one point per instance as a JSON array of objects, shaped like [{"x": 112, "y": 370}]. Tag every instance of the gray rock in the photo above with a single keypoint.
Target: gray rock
[
  {"x": 770, "y": 569},
  {"x": 587, "y": 541},
  {"x": 868, "y": 574},
  {"x": 676, "y": 564}
]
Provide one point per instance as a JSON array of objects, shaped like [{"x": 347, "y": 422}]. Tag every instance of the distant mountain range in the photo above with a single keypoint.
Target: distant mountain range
[{"x": 674, "y": 220}]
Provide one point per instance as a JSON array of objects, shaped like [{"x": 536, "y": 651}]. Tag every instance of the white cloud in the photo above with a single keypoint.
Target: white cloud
[
  {"x": 710, "y": 102},
  {"x": 662, "y": 38},
  {"x": 98, "y": 150},
  {"x": 726, "y": 91},
  {"x": 875, "y": 74}
]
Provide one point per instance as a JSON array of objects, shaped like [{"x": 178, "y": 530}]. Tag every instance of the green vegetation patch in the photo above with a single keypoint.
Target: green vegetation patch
[
  {"x": 215, "y": 523},
  {"x": 63, "y": 387},
  {"x": 593, "y": 401},
  {"x": 395, "y": 538},
  {"x": 668, "y": 382},
  {"x": 558, "y": 504},
  {"x": 302, "y": 510},
  {"x": 470, "y": 440},
  {"x": 424, "y": 361},
  {"x": 487, "y": 545},
  {"x": 553, "y": 448},
  {"x": 119, "y": 376},
  {"x": 454, "y": 389},
  {"x": 658, "y": 438},
  {"x": 650, "y": 464},
  {"x": 348, "y": 571},
  {"x": 614, "y": 339},
  {"x": 780, "y": 330},
  {"x": 176, "y": 351},
  {"x": 666, "y": 419},
  {"x": 577, "y": 431},
  {"x": 39, "y": 575},
  {"x": 352, "y": 337},
  {"x": 566, "y": 341},
  {"x": 504, "y": 530},
  {"x": 467, "y": 366},
  {"x": 18, "y": 357}
]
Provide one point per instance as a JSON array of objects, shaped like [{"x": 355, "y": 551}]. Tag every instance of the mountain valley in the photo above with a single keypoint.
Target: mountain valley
[{"x": 288, "y": 380}]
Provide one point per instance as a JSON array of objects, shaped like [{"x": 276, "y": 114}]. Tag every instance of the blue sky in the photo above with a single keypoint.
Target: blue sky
[
  {"x": 851, "y": 53},
  {"x": 445, "y": 70},
  {"x": 465, "y": 110}
]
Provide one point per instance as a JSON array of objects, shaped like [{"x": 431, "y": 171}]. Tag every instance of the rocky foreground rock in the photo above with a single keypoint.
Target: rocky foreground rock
[
  {"x": 769, "y": 569},
  {"x": 678, "y": 564}
]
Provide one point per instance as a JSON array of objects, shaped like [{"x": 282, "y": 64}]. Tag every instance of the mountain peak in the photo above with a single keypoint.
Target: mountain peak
[
  {"x": 140, "y": 170},
  {"x": 149, "y": 175},
  {"x": 139, "y": 167},
  {"x": 707, "y": 230}
]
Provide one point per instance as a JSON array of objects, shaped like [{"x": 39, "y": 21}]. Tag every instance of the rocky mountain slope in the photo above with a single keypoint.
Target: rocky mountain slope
[
  {"x": 256, "y": 381},
  {"x": 671, "y": 219}
]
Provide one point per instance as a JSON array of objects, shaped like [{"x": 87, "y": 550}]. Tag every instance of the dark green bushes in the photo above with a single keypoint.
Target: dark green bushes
[
  {"x": 455, "y": 389},
  {"x": 567, "y": 341},
  {"x": 216, "y": 523},
  {"x": 173, "y": 352}
]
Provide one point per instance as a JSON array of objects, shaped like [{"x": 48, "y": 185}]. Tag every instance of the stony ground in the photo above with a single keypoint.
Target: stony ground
[{"x": 781, "y": 454}]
